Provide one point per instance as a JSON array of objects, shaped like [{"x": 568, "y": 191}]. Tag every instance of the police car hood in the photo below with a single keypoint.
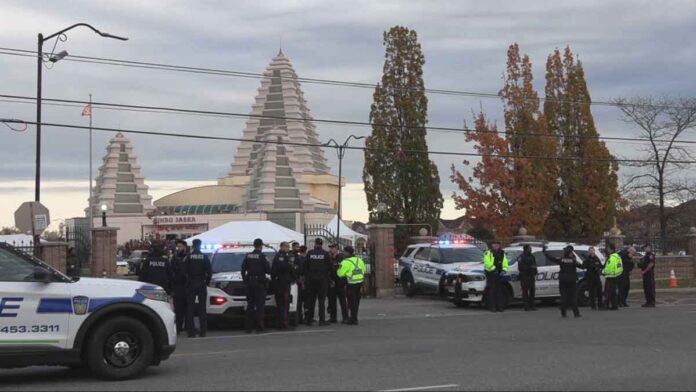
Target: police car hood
[
  {"x": 229, "y": 276},
  {"x": 474, "y": 268},
  {"x": 110, "y": 287}
]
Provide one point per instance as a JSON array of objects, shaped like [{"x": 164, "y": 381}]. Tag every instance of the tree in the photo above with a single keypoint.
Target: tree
[
  {"x": 661, "y": 121},
  {"x": 532, "y": 146},
  {"x": 398, "y": 174},
  {"x": 7, "y": 230},
  {"x": 584, "y": 204}
]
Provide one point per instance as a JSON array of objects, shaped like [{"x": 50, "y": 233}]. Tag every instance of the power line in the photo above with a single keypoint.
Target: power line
[
  {"x": 393, "y": 151},
  {"x": 165, "y": 109},
  {"x": 331, "y": 82}
]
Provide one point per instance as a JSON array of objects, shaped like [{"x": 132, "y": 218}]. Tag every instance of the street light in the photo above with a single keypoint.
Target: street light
[
  {"x": 52, "y": 58},
  {"x": 340, "y": 151},
  {"x": 103, "y": 210}
]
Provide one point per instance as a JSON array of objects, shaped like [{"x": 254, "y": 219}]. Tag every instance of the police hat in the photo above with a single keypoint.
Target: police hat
[
  {"x": 295, "y": 243},
  {"x": 349, "y": 249},
  {"x": 318, "y": 241},
  {"x": 196, "y": 243},
  {"x": 258, "y": 242},
  {"x": 569, "y": 248}
]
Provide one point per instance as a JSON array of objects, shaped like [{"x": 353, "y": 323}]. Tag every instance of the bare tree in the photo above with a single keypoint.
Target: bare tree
[{"x": 659, "y": 177}]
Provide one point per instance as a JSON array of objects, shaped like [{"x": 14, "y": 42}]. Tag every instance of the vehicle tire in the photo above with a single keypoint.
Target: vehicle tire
[
  {"x": 441, "y": 288},
  {"x": 583, "y": 294},
  {"x": 119, "y": 348},
  {"x": 408, "y": 285},
  {"x": 461, "y": 304}
]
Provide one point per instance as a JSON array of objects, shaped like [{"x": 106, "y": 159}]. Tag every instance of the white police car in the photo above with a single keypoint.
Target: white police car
[
  {"x": 466, "y": 285},
  {"x": 227, "y": 291},
  {"x": 423, "y": 267},
  {"x": 117, "y": 328}
]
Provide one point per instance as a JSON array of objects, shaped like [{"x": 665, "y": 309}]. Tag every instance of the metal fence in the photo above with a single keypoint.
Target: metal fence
[{"x": 26, "y": 247}]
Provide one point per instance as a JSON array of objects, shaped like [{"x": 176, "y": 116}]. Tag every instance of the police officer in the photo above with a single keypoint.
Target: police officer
[
  {"x": 593, "y": 267},
  {"x": 625, "y": 278},
  {"x": 528, "y": 271},
  {"x": 283, "y": 275},
  {"x": 567, "y": 279},
  {"x": 647, "y": 270},
  {"x": 156, "y": 268},
  {"x": 179, "y": 283},
  {"x": 495, "y": 264},
  {"x": 198, "y": 275},
  {"x": 353, "y": 270},
  {"x": 317, "y": 268},
  {"x": 297, "y": 262},
  {"x": 612, "y": 271},
  {"x": 337, "y": 288},
  {"x": 255, "y": 267}
]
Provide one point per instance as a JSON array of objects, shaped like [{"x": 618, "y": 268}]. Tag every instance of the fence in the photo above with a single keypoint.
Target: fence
[{"x": 26, "y": 247}]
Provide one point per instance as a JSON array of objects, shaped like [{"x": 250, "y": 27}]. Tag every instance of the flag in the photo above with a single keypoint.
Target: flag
[{"x": 87, "y": 111}]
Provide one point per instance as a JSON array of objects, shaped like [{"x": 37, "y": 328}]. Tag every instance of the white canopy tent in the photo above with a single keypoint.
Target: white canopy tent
[
  {"x": 346, "y": 232},
  {"x": 244, "y": 233}
]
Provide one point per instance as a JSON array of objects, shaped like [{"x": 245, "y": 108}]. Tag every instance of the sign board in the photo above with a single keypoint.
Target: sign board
[{"x": 32, "y": 217}]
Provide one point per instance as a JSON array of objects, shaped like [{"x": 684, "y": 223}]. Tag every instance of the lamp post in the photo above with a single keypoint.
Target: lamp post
[
  {"x": 103, "y": 210},
  {"x": 39, "y": 62},
  {"x": 340, "y": 151}
]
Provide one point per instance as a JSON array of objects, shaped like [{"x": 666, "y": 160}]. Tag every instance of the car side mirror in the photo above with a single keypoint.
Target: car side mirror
[{"x": 42, "y": 275}]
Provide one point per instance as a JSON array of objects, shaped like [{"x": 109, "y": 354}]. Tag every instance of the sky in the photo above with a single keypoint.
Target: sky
[{"x": 628, "y": 49}]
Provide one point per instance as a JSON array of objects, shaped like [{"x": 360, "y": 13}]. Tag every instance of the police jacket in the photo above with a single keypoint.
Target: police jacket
[
  {"x": 569, "y": 265},
  {"x": 297, "y": 263},
  {"x": 626, "y": 261},
  {"x": 156, "y": 270},
  {"x": 179, "y": 270},
  {"x": 646, "y": 261},
  {"x": 336, "y": 264},
  {"x": 527, "y": 264},
  {"x": 592, "y": 264},
  {"x": 352, "y": 269},
  {"x": 613, "y": 267},
  {"x": 317, "y": 264},
  {"x": 282, "y": 271},
  {"x": 198, "y": 270},
  {"x": 255, "y": 267},
  {"x": 495, "y": 261}
]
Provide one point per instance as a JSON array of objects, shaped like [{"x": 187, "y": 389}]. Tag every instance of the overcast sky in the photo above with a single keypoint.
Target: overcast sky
[{"x": 628, "y": 48}]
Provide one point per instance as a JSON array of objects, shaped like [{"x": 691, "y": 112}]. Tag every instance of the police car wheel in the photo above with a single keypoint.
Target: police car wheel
[
  {"x": 408, "y": 285},
  {"x": 120, "y": 348}
]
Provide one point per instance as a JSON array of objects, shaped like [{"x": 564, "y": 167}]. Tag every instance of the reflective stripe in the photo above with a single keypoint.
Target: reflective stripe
[{"x": 354, "y": 278}]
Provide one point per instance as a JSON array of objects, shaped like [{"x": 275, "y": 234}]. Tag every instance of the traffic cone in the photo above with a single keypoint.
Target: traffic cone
[{"x": 672, "y": 280}]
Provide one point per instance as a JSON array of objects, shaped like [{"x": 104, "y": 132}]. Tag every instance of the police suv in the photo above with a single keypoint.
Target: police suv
[
  {"x": 227, "y": 291},
  {"x": 466, "y": 285},
  {"x": 423, "y": 267},
  {"x": 117, "y": 328}
]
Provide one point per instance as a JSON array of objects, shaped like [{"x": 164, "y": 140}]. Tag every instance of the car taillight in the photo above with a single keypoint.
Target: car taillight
[{"x": 218, "y": 300}]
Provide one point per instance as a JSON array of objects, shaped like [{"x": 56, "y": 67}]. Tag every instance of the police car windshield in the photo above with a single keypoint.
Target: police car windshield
[
  {"x": 460, "y": 255},
  {"x": 232, "y": 262}
]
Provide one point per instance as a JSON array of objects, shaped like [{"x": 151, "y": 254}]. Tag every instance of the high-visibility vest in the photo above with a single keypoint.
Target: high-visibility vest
[
  {"x": 353, "y": 269},
  {"x": 489, "y": 262},
  {"x": 614, "y": 266}
]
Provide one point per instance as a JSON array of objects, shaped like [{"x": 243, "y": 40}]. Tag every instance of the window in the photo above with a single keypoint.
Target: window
[
  {"x": 513, "y": 255},
  {"x": 232, "y": 262},
  {"x": 460, "y": 255},
  {"x": 541, "y": 259},
  {"x": 13, "y": 268},
  {"x": 408, "y": 251},
  {"x": 422, "y": 254},
  {"x": 435, "y": 256}
]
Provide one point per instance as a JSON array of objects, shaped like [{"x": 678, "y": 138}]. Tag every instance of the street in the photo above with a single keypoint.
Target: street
[{"x": 424, "y": 343}]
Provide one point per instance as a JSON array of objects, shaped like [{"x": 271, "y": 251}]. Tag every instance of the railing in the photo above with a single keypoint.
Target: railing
[{"x": 26, "y": 247}]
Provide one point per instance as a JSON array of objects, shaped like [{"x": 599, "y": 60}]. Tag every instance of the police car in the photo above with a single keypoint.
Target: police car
[
  {"x": 227, "y": 291},
  {"x": 423, "y": 267},
  {"x": 466, "y": 284},
  {"x": 117, "y": 328}
]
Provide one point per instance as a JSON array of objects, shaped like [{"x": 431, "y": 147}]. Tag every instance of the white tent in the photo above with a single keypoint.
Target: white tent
[
  {"x": 245, "y": 232},
  {"x": 346, "y": 232}
]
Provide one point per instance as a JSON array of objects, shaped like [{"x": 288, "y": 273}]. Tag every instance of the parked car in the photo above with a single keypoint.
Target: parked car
[{"x": 135, "y": 261}]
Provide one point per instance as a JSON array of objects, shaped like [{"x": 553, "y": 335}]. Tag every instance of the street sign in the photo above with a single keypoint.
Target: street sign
[{"x": 32, "y": 217}]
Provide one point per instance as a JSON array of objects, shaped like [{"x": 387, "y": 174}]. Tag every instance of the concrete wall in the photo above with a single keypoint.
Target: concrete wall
[
  {"x": 55, "y": 254},
  {"x": 210, "y": 194}
]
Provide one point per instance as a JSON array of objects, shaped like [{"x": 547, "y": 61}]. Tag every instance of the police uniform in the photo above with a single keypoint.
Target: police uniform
[
  {"x": 495, "y": 264},
  {"x": 352, "y": 269},
  {"x": 297, "y": 263},
  {"x": 625, "y": 278},
  {"x": 593, "y": 267},
  {"x": 567, "y": 280},
  {"x": 612, "y": 271},
  {"x": 156, "y": 269},
  {"x": 647, "y": 266},
  {"x": 198, "y": 275},
  {"x": 283, "y": 274},
  {"x": 317, "y": 268},
  {"x": 528, "y": 271},
  {"x": 254, "y": 269},
  {"x": 179, "y": 288},
  {"x": 337, "y": 292}
]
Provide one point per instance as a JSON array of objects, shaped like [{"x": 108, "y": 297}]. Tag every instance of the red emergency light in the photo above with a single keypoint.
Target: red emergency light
[{"x": 218, "y": 300}]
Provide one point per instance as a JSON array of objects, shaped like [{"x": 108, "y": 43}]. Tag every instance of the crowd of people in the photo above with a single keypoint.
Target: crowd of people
[{"x": 616, "y": 271}]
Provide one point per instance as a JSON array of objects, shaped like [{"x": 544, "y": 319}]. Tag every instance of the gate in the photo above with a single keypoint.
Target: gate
[
  {"x": 312, "y": 232},
  {"x": 79, "y": 251}
]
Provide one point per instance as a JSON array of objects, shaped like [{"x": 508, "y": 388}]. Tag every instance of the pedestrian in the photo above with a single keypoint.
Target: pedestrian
[
  {"x": 647, "y": 270},
  {"x": 567, "y": 279},
  {"x": 337, "y": 288},
  {"x": 297, "y": 260},
  {"x": 198, "y": 275},
  {"x": 528, "y": 272},
  {"x": 495, "y": 264},
  {"x": 593, "y": 268},
  {"x": 353, "y": 270},
  {"x": 255, "y": 267},
  {"x": 282, "y": 274},
  {"x": 156, "y": 268},
  {"x": 179, "y": 281},
  {"x": 625, "y": 278},
  {"x": 317, "y": 269},
  {"x": 612, "y": 271}
]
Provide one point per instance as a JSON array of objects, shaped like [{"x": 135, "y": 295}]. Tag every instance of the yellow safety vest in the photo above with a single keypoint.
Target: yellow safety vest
[
  {"x": 614, "y": 266},
  {"x": 352, "y": 268}
]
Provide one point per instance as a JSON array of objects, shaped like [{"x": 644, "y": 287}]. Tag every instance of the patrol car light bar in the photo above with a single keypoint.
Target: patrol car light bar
[{"x": 453, "y": 240}]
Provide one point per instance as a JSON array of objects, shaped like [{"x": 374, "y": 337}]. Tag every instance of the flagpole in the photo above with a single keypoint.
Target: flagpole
[{"x": 91, "y": 178}]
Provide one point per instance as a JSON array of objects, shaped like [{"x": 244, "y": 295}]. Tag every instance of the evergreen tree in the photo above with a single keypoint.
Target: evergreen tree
[{"x": 398, "y": 171}]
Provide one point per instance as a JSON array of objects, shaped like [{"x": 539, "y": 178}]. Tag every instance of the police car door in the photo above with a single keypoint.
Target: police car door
[
  {"x": 421, "y": 265},
  {"x": 547, "y": 274},
  {"x": 32, "y": 313},
  {"x": 435, "y": 271}
]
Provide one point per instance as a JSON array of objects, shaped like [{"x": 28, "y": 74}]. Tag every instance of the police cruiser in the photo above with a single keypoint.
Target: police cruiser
[
  {"x": 423, "y": 267},
  {"x": 117, "y": 328},
  {"x": 227, "y": 292},
  {"x": 466, "y": 284}
]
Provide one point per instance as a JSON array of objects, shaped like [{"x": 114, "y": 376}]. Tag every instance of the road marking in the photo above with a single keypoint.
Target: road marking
[
  {"x": 422, "y": 388},
  {"x": 207, "y": 353},
  {"x": 418, "y": 316},
  {"x": 264, "y": 334}
]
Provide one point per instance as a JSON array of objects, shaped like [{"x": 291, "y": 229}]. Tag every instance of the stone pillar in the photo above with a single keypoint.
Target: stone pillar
[
  {"x": 382, "y": 238},
  {"x": 104, "y": 248},
  {"x": 523, "y": 236},
  {"x": 691, "y": 242},
  {"x": 55, "y": 254},
  {"x": 614, "y": 237}
]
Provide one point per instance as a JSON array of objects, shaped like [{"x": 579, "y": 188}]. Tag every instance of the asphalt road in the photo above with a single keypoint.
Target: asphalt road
[{"x": 427, "y": 344}]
